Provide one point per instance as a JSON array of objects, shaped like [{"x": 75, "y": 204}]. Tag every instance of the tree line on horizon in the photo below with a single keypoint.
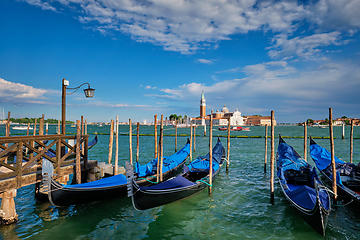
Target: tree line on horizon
[{"x": 32, "y": 120}]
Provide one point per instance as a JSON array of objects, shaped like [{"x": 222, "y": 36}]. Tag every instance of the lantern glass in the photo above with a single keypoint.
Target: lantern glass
[{"x": 89, "y": 92}]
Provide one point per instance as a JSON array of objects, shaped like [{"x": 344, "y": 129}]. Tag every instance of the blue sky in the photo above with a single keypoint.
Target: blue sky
[{"x": 145, "y": 57}]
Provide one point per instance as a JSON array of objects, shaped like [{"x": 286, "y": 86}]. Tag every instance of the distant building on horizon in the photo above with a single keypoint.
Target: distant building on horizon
[{"x": 221, "y": 118}]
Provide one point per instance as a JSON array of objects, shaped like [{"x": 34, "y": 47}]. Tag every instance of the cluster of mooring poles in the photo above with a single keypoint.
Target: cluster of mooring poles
[
  {"x": 159, "y": 142},
  {"x": 333, "y": 166}
]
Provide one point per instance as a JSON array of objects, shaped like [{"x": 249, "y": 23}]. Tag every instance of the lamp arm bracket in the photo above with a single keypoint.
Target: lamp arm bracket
[{"x": 76, "y": 88}]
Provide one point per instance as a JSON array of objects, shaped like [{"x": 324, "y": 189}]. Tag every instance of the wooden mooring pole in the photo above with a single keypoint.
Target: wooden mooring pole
[
  {"x": 130, "y": 142},
  {"x": 7, "y": 132},
  {"x": 176, "y": 135},
  {"x": 155, "y": 134},
  {"x": 194, "y": 127},
  {"x": 191, "y": 137},
  {"x": 210, "y": 154},
  {"x": 332, "y": 154},
  {"x": 78, "y": 166},
  {"x": 305, "y": 141},
  {"x": 116, "y": 169},
  {"x": 82, "y": 133},
  {"x": 228, "y": 146},
  {"x": 266, "y": 143},
  {"x": 351, "y": 140},
  {"x": 343, "y": 131},
  {"x": 272, "y": 159},
  {"x": 161, "y": 147},
  {"x": 156, "y": 150},
  {"x": 111, "y": 140},
  {"x": 137, "y": 141}
]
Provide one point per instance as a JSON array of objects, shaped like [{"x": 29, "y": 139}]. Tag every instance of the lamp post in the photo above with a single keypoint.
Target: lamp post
[{"x": 89, "y": 92}]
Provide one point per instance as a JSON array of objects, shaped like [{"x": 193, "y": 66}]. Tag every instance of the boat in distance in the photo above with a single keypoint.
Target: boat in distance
[
  {"x": 347, "y": 174},
  {"x": 114, "y": 186},
  {"x": 235, "y": 129},
  {"x": 192, "y": 181},
  {"x": 22, "y": 128},
  {"x": 302, "y": 187}
]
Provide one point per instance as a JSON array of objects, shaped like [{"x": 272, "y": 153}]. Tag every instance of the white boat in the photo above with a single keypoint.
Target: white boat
[{"x": 22, "y": 128}]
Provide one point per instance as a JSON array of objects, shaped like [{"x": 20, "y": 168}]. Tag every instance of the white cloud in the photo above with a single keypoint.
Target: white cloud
[
  {"x": 10, "y": 91},
  {"x": 276, "y": 85},
  {"x": 304, "y": 47},
  {"x": 189, "y": 25},
  {"x": 41, "y": 4},
  {"x": 205, "y": 61}
]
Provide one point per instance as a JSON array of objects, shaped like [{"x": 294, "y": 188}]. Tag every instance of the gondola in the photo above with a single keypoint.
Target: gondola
[
  {"x": 302, "y": 187},
  {"x": 348, "y": 174},
  {"x": 194, "y": 179},
  {"x": 114, "y": 186}
]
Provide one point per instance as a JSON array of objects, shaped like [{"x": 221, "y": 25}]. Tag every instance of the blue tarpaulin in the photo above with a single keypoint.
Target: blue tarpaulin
[
  {"x": 168, "y": 162},
  {"x": 322, "y": 157},
  {"x": 202, "y": 163},
  {"x": 301, "y": 192}
]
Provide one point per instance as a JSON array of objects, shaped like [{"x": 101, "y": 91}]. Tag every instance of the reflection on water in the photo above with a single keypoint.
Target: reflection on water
[{"x": 239, "y": 207}]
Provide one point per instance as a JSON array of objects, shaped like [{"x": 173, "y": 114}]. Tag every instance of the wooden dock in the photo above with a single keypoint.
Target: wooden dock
[{"x": 21, "y": 164}]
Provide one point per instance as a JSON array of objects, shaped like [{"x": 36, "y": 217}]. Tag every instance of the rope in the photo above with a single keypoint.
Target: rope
[
  {"x": 210, "y": 185},
  {"x": 148, "y": 180}
]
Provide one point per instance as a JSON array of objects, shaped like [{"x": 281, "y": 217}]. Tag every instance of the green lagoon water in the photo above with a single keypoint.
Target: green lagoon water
[{"x": 238, "y": 208}]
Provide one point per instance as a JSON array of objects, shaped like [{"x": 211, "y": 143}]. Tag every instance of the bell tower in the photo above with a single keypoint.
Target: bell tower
[{"x": 202, "y": 106}]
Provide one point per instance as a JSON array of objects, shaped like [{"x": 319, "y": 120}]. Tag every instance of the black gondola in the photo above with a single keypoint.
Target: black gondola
[
  {"x": 348, "y": 174},
  {"x": 193, "y": 180},
  {"x": 302, "y": 187},
  {"x": 114, "y": 186}
]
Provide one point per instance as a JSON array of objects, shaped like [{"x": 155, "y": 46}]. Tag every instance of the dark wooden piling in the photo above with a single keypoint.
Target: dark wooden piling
[
  {"x": 78, "y": 166},
  {"x": 351, "y": 140},
  {"x": 155, "y": 135},
  {"x": 228, "y": 146},
  {"x": 82, "y": 133},
  {"x": 111, "y": 141},
  {"x": 130, "y": 142},
  {"x": 266, "y": 137},
  {"x": 137, "y": 141},
  {"x": 58, "y": 128},
  {"x": 305, "y": 141},
  {"x": 210, "y": 153},
  {"x": 272, "y": 158},
  {"x": 332, "y": 154}
]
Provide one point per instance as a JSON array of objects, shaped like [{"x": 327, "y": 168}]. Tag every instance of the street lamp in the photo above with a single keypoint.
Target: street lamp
[{"x": 89, "y": 92}]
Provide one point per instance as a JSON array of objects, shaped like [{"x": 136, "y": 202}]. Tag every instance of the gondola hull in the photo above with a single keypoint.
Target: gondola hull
[
  {"x": 302, "y": 188},
  {"x": 345, "y": 193},
  {"x": 61, "y": 196},
  {"x": 146, "y": 199},
  {"x": 322, "y": 159},
  {"x": 193, "y": 180},
  {"x": 317, "y": 217}
]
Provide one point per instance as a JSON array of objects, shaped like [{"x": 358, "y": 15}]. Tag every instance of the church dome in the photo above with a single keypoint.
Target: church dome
[{"x": 225, "y": 109}]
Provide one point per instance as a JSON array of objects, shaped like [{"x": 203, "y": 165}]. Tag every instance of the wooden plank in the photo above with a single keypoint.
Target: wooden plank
[{"x": 34, "y": 177}]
